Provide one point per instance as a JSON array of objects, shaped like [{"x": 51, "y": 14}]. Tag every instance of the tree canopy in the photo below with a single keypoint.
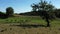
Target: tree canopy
[{"x": 9, "y": 11}]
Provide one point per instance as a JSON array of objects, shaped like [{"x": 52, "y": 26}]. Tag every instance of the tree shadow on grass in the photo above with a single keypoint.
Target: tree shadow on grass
[{"x": 31, "y": 25}]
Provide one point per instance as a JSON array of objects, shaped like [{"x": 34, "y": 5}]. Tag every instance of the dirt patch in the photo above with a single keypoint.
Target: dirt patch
[{"x": 8, "y": 29}]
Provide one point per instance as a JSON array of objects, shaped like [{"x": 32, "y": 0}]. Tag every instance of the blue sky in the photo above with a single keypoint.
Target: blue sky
[{"x": 21, "y": 6}]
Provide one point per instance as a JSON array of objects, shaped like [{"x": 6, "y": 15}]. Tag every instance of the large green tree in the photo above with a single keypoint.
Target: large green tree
[
  {"x": 9, "y": 11},
  {"x": 45, "y": 9}
]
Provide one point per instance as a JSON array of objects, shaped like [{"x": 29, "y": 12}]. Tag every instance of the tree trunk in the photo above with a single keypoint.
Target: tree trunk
[{"x": 48, "y": 23}]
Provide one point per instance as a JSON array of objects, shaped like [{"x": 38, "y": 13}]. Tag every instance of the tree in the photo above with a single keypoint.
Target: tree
[
  {"x": 45, "y": 9},
  {"x": 9, "y": 11},
  {"x": 35, "y": 7}
]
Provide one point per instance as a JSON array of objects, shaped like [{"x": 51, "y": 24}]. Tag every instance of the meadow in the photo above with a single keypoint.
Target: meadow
[{"x": 7, "y": 26}]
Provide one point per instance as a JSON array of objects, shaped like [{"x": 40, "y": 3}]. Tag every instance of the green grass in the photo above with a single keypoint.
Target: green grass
[
  {"x": 29, "y": 20},
  {"x": 54, "y": 29}
]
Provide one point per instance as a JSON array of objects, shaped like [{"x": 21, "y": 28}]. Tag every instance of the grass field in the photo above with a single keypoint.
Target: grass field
[
  {"x": 7, "y": 25},
  {"x": 23, "y": 19}
]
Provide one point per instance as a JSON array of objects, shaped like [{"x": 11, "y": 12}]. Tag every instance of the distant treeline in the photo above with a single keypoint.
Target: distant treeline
[
  {"x": 2, "y": 15},
  {"x": 30, "y": 13},
  {"x": 56, "y": 13}
]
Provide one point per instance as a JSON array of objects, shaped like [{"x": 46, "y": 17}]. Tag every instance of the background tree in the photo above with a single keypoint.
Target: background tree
[
  {"x": 9, "y": 11},
  {"x": 44, "y": 9}
]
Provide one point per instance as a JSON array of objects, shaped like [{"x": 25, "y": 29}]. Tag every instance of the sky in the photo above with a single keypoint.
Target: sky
[{"x": 21, "y": 6}]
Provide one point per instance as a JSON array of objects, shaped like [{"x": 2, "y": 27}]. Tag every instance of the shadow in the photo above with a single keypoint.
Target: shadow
[{"x": 30, "y": 25}]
